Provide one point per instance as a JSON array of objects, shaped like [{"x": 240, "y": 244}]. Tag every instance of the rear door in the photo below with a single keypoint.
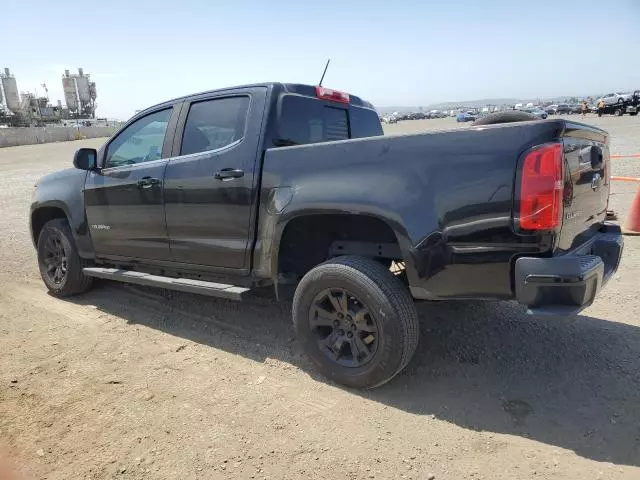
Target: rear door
[
  {"x": 124, "y": 201},
  {"x": 210, "y": 184},
  {"x": 586, "y": 185}
]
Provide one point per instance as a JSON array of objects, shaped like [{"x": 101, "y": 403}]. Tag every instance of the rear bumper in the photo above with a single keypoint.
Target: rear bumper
[{"x": 565, "y": 285}]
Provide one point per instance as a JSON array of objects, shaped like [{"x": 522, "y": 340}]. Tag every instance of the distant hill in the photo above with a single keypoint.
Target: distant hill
[
  {"x": 384, "y": 110},
  {"x": 451, "y": 105},
  {"x": 479, "y": 103},
  {"x": 483, "y": 102}
]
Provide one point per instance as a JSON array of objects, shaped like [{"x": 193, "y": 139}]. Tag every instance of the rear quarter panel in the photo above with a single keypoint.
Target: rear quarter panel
[{"x": 447, "y": 196}]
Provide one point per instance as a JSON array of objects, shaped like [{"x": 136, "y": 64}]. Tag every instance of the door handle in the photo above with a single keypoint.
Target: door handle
[
  {"x": 146, "y": 182},
  {"x": 229, "y": 173}
]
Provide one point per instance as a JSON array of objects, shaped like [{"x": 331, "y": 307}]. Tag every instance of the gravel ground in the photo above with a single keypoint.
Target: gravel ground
[{"x": 131, "y": 383}]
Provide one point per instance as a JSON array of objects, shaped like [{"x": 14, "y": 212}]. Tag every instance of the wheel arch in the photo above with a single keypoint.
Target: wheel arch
[
  {"x": 42, "y": 214},
  {"x": 371, "y": 229}
]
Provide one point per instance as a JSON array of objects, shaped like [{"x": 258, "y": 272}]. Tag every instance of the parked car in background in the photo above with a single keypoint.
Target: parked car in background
[
  {"x": 538, "y": 112},
  {"x": 575, "y": 108},
  {"x": 563, "y": 108},
  {"x": 613, "y": 98},
  {"x": 551, "y": 109},
  {"x": 466, "y": 117}
]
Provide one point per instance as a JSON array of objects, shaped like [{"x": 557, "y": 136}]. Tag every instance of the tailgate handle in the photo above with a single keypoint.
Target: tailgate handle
[{"x": 596, "y": 158}]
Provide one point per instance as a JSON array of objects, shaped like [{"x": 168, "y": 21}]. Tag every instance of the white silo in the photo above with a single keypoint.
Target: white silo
[
  {"x": 10, "y": 87},
  {"x": 70, "y": 94}
]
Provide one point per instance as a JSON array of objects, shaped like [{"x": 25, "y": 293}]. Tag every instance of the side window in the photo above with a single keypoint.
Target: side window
[
  {"x": 303, "y": 121},
  {"x": 214, "y": 124},
  {"x": 139, "y": 142}
]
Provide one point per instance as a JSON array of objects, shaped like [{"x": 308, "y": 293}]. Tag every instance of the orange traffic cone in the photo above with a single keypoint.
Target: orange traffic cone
[{"x": 632, "y": 224}]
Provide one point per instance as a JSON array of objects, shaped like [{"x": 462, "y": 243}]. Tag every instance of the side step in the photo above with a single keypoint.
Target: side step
[{"x": 200, "y": 287}]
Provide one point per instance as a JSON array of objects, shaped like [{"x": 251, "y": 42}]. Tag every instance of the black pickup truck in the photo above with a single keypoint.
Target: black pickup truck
[{"x": 297, "y": 187}]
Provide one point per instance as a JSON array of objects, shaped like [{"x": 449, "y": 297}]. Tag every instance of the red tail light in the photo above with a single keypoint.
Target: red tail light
[
  {"x": 334, "y": 95},
  {"x": 541, "y": 188}
]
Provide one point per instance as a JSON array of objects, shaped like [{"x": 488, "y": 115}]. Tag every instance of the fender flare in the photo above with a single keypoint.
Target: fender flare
[{"x": 282, "y": 221}]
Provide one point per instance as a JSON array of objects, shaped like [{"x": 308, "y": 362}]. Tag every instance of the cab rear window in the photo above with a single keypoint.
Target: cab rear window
[{"x": 305, "y": 120}]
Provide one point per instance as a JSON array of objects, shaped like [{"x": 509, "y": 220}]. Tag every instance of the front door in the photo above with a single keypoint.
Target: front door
[
  {"x": 210, "y": 182},
  {"x": 124, "y": 199}
]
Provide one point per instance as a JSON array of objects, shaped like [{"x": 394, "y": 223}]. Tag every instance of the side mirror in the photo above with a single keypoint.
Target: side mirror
[{"x": 86, "y": 159}]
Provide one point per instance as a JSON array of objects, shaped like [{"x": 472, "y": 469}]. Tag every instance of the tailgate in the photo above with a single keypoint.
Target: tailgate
[{"x": 586, "y": 183}]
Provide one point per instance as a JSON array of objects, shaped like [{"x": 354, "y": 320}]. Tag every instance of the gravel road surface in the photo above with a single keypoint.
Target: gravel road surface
[{"x": 134, "y": 383}]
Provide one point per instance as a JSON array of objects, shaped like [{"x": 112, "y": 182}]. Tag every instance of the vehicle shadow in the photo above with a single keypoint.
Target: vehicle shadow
[{"x": 569, "y": 382}]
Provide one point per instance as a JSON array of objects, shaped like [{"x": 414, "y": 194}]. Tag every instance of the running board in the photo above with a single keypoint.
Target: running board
[{"x": 200, "y": 287}]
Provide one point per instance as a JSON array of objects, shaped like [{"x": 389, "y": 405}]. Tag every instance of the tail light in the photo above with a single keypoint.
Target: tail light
[
  {"x": 334, "y": 95},
  {"x": 541, "y": 188}
]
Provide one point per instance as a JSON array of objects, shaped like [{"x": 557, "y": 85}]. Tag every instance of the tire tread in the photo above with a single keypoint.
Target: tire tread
[
  {"x": 77, "y": 282},
  {"x": 383, "y": 284}
]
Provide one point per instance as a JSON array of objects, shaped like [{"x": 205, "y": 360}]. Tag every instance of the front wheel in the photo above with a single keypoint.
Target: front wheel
[
  {"x": 356, "y": 321},
  {"x": 59, "y": 262}
]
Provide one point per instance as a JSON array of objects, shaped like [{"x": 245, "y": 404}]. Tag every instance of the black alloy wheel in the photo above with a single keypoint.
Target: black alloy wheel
[
  {"x": 346, "y": 331},
  {"x": 356, "y": 321},
  {"x": 59, "y": 261},
  {"x": 54, "y": 259}
]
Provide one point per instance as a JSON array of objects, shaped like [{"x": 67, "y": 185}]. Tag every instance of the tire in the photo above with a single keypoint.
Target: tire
[
  {"x": 620, "y": 101},
  {"x": 618, "y": 112},
  {"x": 58, "y": 260},
  {"x": 505, "y": 117},
  {"x": 389, "y": 333},
  {"x": 633, "y": 114}
]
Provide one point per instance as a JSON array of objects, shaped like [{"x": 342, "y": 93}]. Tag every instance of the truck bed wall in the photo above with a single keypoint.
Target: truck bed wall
[{"x": 447, "y": 196}]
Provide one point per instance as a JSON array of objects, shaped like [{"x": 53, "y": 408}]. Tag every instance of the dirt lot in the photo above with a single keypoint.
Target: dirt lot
[{"x": 132, "y": 383}]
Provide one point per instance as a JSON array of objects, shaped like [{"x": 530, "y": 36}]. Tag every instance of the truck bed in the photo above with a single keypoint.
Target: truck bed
[{"x": 449, "y": 196}]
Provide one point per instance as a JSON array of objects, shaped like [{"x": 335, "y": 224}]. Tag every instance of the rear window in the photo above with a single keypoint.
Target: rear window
[
  {"x": 364, "y": 123},
  {"x": 305, "y": 120}
]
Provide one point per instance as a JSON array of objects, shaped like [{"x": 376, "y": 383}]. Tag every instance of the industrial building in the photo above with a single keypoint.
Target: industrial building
[
  {"x": 79, "y": 94},
  {"x": 27, "y": 109}
]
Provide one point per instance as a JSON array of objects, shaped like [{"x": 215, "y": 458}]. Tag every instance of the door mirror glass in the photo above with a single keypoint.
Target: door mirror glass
[{"x": 85, "y": 159}]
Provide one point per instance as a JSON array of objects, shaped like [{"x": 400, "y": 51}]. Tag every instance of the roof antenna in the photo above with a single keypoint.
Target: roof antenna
[{"x": 325, "y": 71}]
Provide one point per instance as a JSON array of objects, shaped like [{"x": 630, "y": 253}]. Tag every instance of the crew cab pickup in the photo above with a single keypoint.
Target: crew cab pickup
[{"x": 297, "y": 187}]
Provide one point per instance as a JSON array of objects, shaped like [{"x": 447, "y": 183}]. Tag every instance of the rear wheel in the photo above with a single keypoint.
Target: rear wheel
[
  {"x": 356, "y": 321},
  {"x": 59, "y": 262},
  {"x": 618, "y": 112}
]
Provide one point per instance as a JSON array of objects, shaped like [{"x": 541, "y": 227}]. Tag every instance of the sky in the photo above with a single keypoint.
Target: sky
[{"x": 402, "y": 52}]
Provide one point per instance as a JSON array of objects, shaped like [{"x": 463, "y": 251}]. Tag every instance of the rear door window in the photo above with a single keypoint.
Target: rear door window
[{"x": 214, "y": 124}]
